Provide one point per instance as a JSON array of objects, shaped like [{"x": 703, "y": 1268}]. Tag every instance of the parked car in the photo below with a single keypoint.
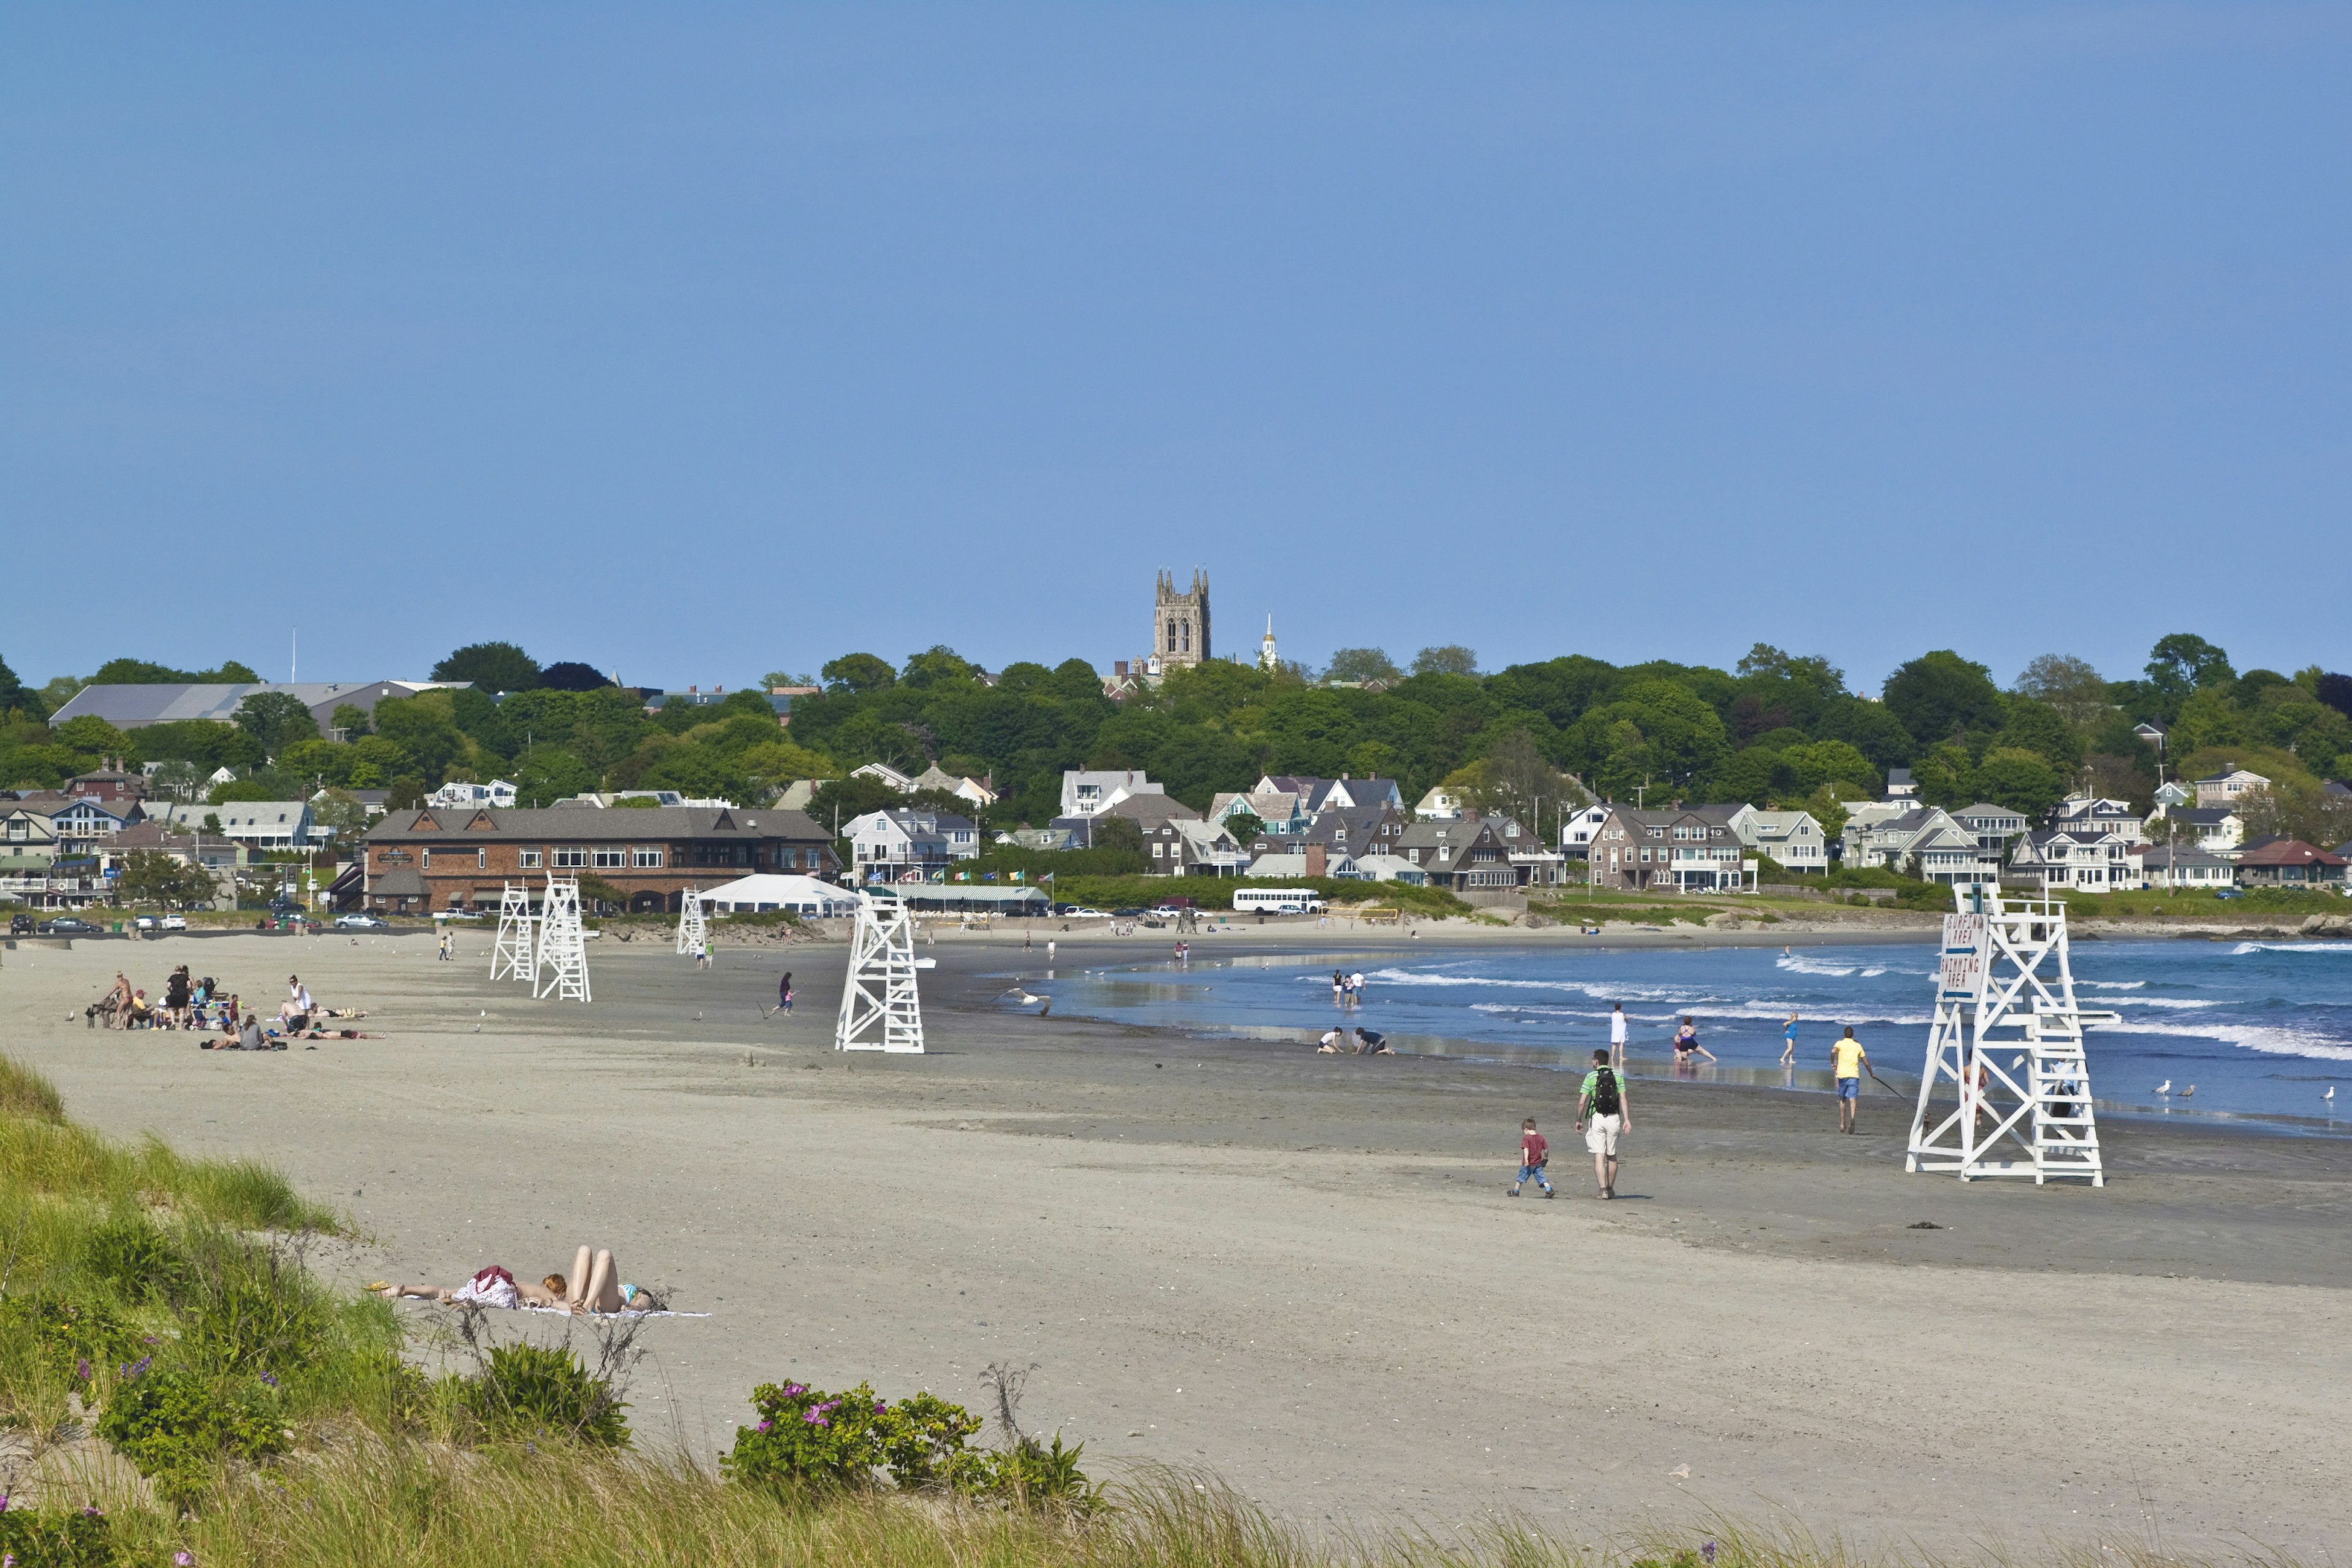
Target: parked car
[
  {"x": 20, "y": 925},
  {"x": 68, "y": 925},
  {"x": 458, "y": 915},
  {"x": 1084, "y": 913},
  {"x": 1127, "y": 914},
  {"x": 175, "y": 922},
  {"x": 362, "y": 922},
  {"x": 147, "y": 922}
]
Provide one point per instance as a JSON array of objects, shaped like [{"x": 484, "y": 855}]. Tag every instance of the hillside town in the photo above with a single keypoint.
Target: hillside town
[{"x": 981, "y": 789}]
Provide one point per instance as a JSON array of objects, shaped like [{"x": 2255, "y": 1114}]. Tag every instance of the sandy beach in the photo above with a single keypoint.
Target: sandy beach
[{"x": 1300, "y": 1272}]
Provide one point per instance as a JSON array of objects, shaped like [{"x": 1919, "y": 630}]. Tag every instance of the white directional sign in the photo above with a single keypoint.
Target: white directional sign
[{"x": 1964, "y": 955}]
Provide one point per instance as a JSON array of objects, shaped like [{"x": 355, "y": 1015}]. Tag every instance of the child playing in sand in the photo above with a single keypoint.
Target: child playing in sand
[{"x": 1534, "y": 1154}]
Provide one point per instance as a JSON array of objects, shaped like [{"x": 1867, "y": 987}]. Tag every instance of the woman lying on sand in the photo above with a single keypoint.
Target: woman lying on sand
[{"x": 494, "y": 1286}]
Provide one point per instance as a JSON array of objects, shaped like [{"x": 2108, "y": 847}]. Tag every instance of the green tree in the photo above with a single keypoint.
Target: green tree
[
  {"x": 937, "y": 666},
  {"x": 2037, "y": 727},
  {"x": 859, "y": 673},
  {"x": 15, "y": 699},
  {"x": 340, "y": 813},
  {"x": 1519, "y": 781},
  {"x": 1450, "y": 658},
  {"x": 276, "y": 719},
  {"x": 570, "y": 674},
  {"x": 352, "y": 720},
  {"x": 2297, "y": 808},
  {"x": 545, "y": 774},
  {"x": 1939, "y": 695},
  {"x": 1818, "y": 762},
  {"x": 153, "y": 877},
  {"x": 1945, "y": 776},
  {"x": 425, "y": 729},
  {"x": 2182, "y": 663},
  {"x": 490, "y": 666},
  {"x": 1871, "y": 729},
  {"x": 2068, "y": 684},
  {"x": 140, "y": 672},
  {"x": 1362, "y": 664},
  {"x": 2020, "y": 780},
  {"x": 92, "y": 736}
]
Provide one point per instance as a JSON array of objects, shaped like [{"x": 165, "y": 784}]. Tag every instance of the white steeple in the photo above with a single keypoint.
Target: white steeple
[{"x": 1267, "y": 660}]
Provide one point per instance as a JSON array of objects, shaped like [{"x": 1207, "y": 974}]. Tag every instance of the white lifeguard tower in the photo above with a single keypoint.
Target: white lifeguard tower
[
  {"x": 880, "y": 1009},
  {"x": 692, "y": 929},
  {"x": 2006, "y": 1046},
  {"x": 515, "y": 954},
  {"x": 563, "y": 946}
]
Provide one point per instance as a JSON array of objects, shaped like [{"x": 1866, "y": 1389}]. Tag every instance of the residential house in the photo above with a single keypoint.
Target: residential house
[
  {"x": 1792, "y": 839},
  {"x": 428, "y": 859},
  {"x": 2290, "y": 863},
  {"x": 1461, "y": 856},
  {"x": 109, "y": 782},
  {"x": 1045, "y": 838},
  {"x": 2094, "y": 859},
  {"x": 1391, "y": 868},
  {"x": 883, "y": 772},
  {"x": 1188, "y": 846},
  {"x": 2162, "y": 866},
  {"x": 497, "y": 794},
  {"x": 1358, "y": 830},
  {"x": 1683, "y": 849},
  {"x": 224, "y": 857},
  {"x": 1086, "y": 790},
  {"x": 2224, "y": 787},
  {"x": 2087, "y": 811},
  {"x": 84, "y": 825},
  {"x": 1439, "y": 805},
  {"x": 908, "y": 844},
  {"x": 2217, "y": 828},
  {"x": 1309, "y": 862},
  {"x": 1577, "y": 828},
  {"x": 977, "y": 791},
  {"x": 1279, "y": 812},
  {"x": 1902, "y": 789},
  {"x": 2172, "y": 794},
  {"x": 1996, "y": 827},
  {"x": 2151, "y": 732},
  {"x": 257, "y": 824},
  {"x": 1342, "y": 794},
  {"x": 1927, "y": 843}
]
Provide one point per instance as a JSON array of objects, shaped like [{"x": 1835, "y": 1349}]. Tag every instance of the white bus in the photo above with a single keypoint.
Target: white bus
[{"x": 1277, "y": 901}]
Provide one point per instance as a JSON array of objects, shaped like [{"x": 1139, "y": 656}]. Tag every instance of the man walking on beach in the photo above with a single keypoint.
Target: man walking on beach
[
  {"x": 1848, "y": 1062},
  {"x": 1617, "y": 1037},
  {"x": 1534, "y": 1154},
  {"x": 1788, "y": 1042},
  {"x": 1602, "y": 1114}
]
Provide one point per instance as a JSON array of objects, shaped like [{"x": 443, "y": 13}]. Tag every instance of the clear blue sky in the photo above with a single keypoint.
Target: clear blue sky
[{"x": 698, "y": 340}]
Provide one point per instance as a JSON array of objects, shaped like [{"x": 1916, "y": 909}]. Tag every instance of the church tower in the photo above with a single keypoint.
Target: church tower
[
  {"x": 1267, "y": 658},
  {"x": 1179, "y": 624}
]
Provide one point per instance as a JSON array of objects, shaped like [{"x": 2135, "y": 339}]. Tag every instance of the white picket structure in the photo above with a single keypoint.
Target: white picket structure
[
  {"x": 881, "y": 1009},
  {"x": 562, "y": 947},
  {"x": 515, "y": 954},
  {"x": 2006, "y": 1047}
]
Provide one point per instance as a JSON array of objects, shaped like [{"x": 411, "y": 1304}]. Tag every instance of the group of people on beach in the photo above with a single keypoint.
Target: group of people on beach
[
  {"x": 198, "y": 1004},
  {"x": 1603, "y": 1113},
  {"x": 1347, "y": 988}
]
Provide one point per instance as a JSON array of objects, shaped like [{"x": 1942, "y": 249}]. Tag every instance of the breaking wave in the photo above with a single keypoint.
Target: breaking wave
[
  {"x": 2245, "y": 948},
  {"x": 2268, "y": 1039}
]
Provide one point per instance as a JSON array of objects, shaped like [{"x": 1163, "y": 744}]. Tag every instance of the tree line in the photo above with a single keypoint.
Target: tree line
[{"x": 1779, "y": 728}]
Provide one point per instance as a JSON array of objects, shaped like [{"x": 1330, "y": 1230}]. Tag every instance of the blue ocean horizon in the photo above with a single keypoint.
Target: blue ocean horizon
[{"x": 2262, "y": 1030}]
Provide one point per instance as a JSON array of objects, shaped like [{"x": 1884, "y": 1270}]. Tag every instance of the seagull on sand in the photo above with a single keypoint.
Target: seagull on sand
[{"x": 2164, "y": 1088}]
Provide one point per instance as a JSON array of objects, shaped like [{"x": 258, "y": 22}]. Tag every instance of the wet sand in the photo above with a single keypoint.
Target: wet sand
[{"x": 1300, "y": 1272}]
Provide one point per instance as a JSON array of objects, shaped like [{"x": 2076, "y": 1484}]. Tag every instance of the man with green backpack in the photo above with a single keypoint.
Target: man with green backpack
[{"x": 1602, "y": 1113}]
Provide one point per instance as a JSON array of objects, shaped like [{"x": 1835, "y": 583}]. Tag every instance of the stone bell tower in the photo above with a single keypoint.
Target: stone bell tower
[{"x": 1179, "y": 624}]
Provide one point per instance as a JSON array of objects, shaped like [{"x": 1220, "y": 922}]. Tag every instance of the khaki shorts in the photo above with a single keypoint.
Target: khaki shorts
[{"x": 1601, "y": 1134}]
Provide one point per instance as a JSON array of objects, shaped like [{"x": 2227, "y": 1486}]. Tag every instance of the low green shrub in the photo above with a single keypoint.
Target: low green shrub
[
  {"x": 534, "y": 1391},
  {"x": 178, "y": 1428},
  {"x": 56, "y": 1537},
  {"x": 24, "y": 1092},
  {"x": 1030, "y": 1474},
  {"x": 805, "y": 1436}
]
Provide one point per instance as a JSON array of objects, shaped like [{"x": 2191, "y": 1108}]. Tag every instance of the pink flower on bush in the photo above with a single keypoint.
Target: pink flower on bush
[
  {"x": 763, "y": 1425},
  {"x": 183, "y": 1560}
]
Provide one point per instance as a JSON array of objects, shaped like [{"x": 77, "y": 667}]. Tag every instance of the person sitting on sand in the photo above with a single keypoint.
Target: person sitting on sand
[
  {"x": 140, "y": 1015},
  {"x": 1372, "y": 1043},
  {"x": 1331, "y": 1046}
]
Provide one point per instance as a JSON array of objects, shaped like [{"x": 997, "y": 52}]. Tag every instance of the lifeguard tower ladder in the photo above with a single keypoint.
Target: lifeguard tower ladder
[
  {"x": 692, "y": 929},
  {"x": 2007, "y": 1043},
  {"x": 881, "y": 1009}
]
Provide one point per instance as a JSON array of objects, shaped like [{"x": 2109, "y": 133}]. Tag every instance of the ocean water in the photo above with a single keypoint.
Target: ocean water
[{"x": 2261, "y": 1030}]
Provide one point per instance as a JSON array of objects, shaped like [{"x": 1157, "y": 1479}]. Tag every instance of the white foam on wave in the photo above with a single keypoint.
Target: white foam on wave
[
  {"x": 2268, "y": 1039},
  {"x": 1798, "y": 963},
  {"x": 1773, "y": 1012},
  {"x": 2245, "y": 948},
  {"x": 1576, "y": 987},
  {"x": 2179, "y": 1002},
  {"x": 2110, "y": 985}
]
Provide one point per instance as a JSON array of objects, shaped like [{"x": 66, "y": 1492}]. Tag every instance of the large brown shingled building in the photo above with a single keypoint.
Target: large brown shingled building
[{"x": 462, "y": 858}]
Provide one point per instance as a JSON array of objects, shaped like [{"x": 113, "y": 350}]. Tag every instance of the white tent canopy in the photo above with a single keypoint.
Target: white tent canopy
[{"x": 771, "y": 890}]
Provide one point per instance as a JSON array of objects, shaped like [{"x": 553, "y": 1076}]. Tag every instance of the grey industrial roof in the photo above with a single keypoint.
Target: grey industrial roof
[{"x": 555, "y": 823}]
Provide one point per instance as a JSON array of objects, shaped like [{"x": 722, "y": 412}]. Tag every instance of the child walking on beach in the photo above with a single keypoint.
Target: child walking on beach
[{"x": 1534, "y": 1154}]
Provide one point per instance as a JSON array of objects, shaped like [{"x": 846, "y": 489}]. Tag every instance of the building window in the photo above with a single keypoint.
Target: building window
[
  {"x": 608, "y": 859},
  {"x": 527, "y": 859},
  {"x": 646, "y": 859},
  {"x": 571, "y": 857}
]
